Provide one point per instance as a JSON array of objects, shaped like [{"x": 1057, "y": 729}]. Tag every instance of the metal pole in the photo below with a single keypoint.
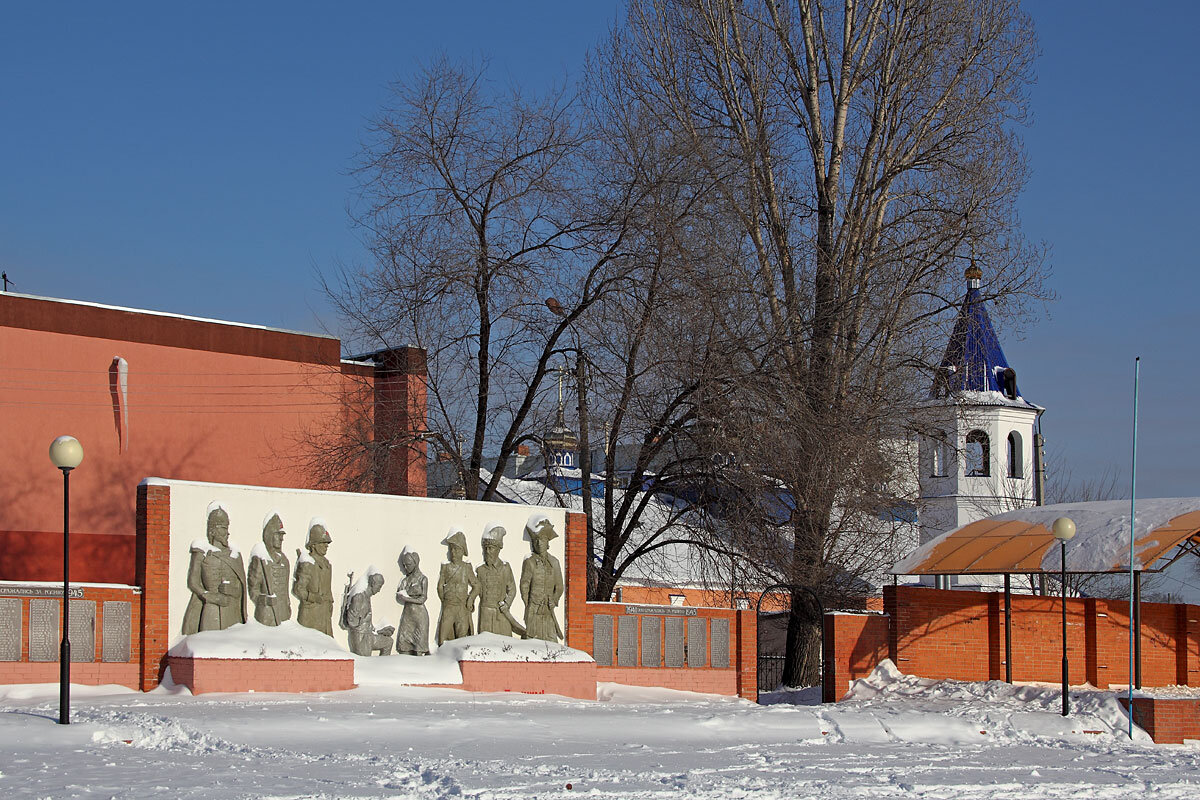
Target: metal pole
[
  {"x": 1137, "y": 365},
  {"x": 64, "y": 653},
  {"x": 1066, "y": 704},
  {"x": 1007, "y": 628}
]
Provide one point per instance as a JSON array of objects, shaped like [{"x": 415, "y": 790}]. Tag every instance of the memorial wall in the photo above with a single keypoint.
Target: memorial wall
[{"x": 356, "y": 534}]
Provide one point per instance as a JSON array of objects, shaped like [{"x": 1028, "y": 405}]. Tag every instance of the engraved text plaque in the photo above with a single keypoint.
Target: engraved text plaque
[
  {"x": 117, "y": 629},
  {"x": 10, "y": 630},
  {"x": 720, "y": 643},
  {"x": 674, "y": 651},
  {"x": 602, "y": 640},
  {"x": 651, "y": 656},
  {"x": 43, "y": 630},
  {"x": 627, "y": 641},
  {"x": 697, "y": 647},
  {"x": 83, "y": 630}
]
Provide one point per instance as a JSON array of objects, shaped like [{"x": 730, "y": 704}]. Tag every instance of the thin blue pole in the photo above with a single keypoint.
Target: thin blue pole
[{"x": 1137, "y": 361}]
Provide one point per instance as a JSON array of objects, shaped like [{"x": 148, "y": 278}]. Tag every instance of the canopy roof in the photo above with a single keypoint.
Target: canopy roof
[{"x": 1021, "y": 540}]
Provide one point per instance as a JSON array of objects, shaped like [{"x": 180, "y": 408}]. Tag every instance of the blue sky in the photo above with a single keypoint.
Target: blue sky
[{"x": 192, "y": 159}]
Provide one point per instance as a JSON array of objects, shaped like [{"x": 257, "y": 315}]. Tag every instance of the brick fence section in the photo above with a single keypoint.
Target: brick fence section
[
  {"x": 1167, "y": 720},
  {"x": 95, "y": 673},
  {"x": 958, "y": 634},
  {"x": 852, "y": 645},
  {"x": 740, "y": 677}
]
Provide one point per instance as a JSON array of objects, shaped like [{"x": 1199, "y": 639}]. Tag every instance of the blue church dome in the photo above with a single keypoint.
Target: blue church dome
[{"x": 974, "y": 360}]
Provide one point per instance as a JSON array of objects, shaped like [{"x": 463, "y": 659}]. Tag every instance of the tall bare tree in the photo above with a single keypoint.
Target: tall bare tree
[{"x": 861, "y": 147}]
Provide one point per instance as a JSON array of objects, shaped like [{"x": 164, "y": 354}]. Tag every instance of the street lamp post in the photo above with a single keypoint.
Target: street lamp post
[
  {"x": 65, "y": 453},
  {"x": 1064, "y": 529}
]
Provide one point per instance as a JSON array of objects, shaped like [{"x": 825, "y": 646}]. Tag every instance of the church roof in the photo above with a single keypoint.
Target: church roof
[{"x": 974, "y": 362}]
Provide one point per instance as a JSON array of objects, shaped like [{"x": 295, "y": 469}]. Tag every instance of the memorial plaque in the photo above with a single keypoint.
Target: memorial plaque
[
  {"x": 697, "y": 646},
  {"x": 720, "y": 643},
  {"x": 662, "y": 611},
  {"x": 83, "y": 630},
  {"x": 651, "y": 655},
  {"x": 627, "y": 641},
  {"x": 118, "y": 629},
  {"x": 43, "y": 630},
  {"x": 673, "y": 657},
  {"x": 602, "y": 640},
  {"x": 10, "y": 630}
]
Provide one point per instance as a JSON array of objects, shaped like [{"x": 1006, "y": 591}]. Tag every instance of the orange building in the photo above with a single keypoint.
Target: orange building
[{"x": 148, "y": 393}]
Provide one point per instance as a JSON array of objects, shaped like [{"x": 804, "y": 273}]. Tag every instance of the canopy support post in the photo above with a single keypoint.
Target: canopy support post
[{"x": 1008, "y": 628}]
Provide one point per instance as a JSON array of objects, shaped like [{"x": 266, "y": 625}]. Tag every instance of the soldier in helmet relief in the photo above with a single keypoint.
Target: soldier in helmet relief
[
  {"x": 269, "y": 574},
  {"x": 313, "y": 585},
  {"x": 217, "y": 579}
]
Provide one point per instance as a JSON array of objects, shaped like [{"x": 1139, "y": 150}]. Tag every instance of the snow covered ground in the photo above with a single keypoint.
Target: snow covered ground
[{"x": 896, "y": 737}]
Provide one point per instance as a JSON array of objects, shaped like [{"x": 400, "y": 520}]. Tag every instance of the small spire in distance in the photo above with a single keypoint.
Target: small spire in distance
[{"x": 973, "y": 275}]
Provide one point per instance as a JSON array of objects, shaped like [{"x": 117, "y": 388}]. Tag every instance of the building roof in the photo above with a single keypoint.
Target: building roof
[
  {"x": 1022, "y": 541},
  {"x": 974, "y": 362}
]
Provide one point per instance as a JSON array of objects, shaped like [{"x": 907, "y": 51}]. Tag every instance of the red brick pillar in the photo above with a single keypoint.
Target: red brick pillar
[
  {"x": 400, "y": 398},
  {"x": 578, "y": 620},
  {"x": 153, "y": 560},
  {"x": 747, "y": 654}
]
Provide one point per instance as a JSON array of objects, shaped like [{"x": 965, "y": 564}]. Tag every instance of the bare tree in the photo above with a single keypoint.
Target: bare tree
[
  {"x": 859, "y": 147},
  {"x": 480, "y": 208}
]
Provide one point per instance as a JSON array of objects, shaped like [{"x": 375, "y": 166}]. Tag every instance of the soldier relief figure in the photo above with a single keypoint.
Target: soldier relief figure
[
  {"x": 269, "y": 574},
  {"x": 541, "y": 582},
  {"x": 456, "y": 589},
  {"x": 495, "y": 587},
  {"x": 412, "y": 636},
  {"x": 216, "y": 578},
  {"x": 313, "y": 585},
  {"x": 364, "y": 639}
]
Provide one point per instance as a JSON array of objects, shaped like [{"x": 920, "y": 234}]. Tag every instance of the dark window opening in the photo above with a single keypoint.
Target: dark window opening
[
  {"x": 978, "y": 455},
  {"x": 1016, "y": 459}
]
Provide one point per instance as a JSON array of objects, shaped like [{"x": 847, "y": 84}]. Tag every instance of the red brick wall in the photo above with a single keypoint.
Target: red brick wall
[
  {"x": 1167, "y": 720},
  {"x": 740, "y": 678},
  {"x": 95, "y": 673},
  {"x": 203, "y": 675},
  {"x": 207, "y": 401},
  {"x": 958, "y": 634},
  {"x": 853, "y": 644}
]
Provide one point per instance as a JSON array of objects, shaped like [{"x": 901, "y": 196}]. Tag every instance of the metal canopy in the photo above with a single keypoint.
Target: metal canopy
[{"x": 1021, "y": 541}]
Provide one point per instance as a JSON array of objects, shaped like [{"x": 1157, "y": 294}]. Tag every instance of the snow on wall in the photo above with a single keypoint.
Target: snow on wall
[{"x": 367, "y": 529}]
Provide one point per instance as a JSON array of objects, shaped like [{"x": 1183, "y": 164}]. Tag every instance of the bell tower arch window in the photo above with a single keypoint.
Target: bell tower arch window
[
  {"x": 978, "y": 455},
  {"x": 1016, "y": 458}
]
